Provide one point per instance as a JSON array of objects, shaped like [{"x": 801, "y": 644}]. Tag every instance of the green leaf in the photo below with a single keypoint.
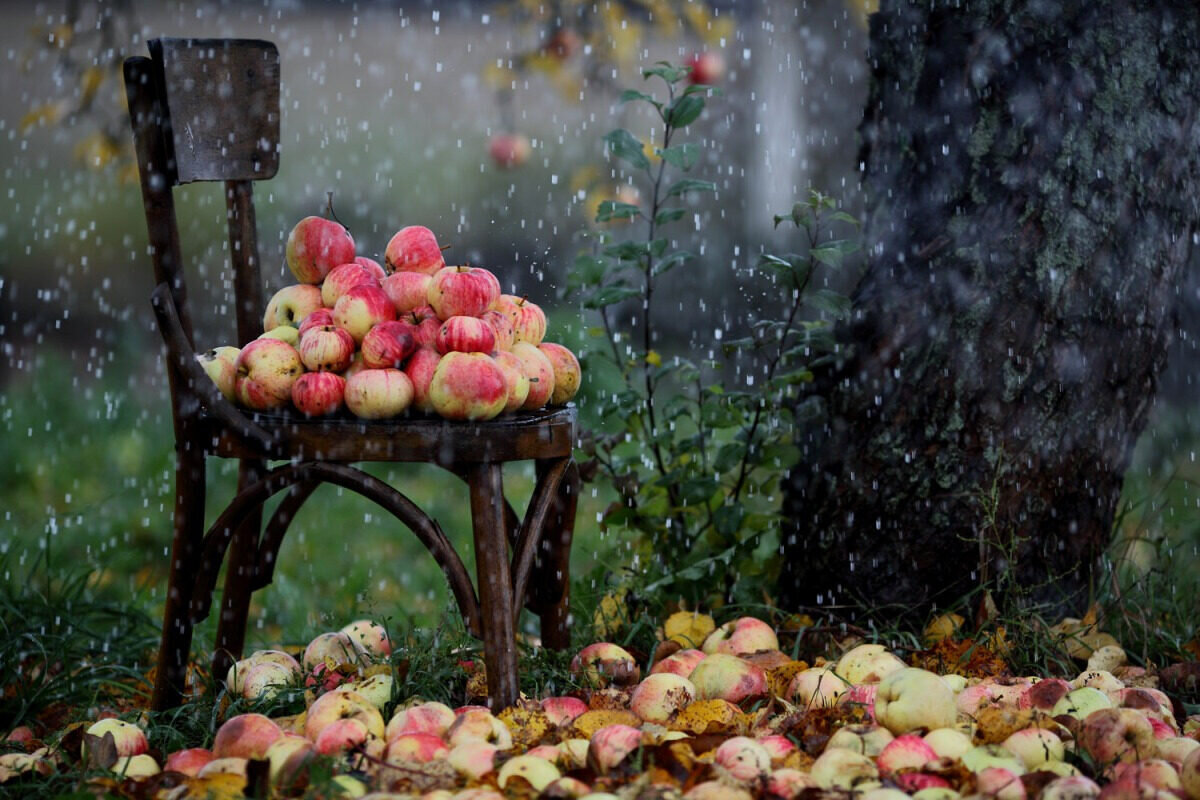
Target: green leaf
[
  {"x": 630, "y": 95},
  {"x": 625, "y": 146},
  {"x": 672, "y": 261},
  {"x": 609, "y": 295},
  {"x": 684, "y": 110},
  {"x": 657, "y": 247},
  {"x": 669, "y": 215},
  {"x": 703, "y": 88},
  {"x": 729, "y": 456},
  {"x": 690, "y": 185},
  {"x": 611, "y": 209},
  {"x": 681, "y": 156},
  {"x": 832, "y": 253},
  {"x": 842, "y": 216},
  {"x": 666, "y": 71},
  {"x": 829, "y": 301},
  {"x": 587, "y": 271},
  {"x": 626, "y": 251},
  {"x": 728, "y": 519}
]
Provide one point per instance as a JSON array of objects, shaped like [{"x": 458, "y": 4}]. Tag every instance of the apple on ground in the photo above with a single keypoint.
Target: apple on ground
[
  {"x": 342, "y": 703},
  {"x": 468, "y": 386},
  {"x": 537, "y": 772},
  {"x": 842, "y": 768},
  {"x": 245, "y": 736},
  {"x": 868, "y": 739},
  {"x": 327, "y": 348},
  {"x": 336, "y": 646},
  {"x": 414, "y": 249},
  {"x": 341, "y": 735},
  {"x": 661, "y": 696},
  {"x": 913, "y": 698},
  {"x": 342, "y": 279},
  {"x": 816, "y": 687},
  {"x": 428, "y": 717},
  {"x": 220, "y": 364},
  {"x": 266, "y": 370},
  {"x": 539, "y": 371},
  {"x": 562, "y": 711},
  {"x": 1110, "y": 735},
  {"x": 473, "y": 758},
  {"x": 738, "y": 637},
  {"x": 721, "y": 676},
  {"x": 611, "y": 745},
  {"x": 867, "y": 663},
  {"x": 602, "y": 663},
  {"x": 129, "y": 739},
  {"x": 291, "y": 304},
  {"x": 371, "y": 637},
  {"x": 139, "y": 766},
  {"x": 189, "y": 761},
  {"x": 742, "y": 759},
  {"x": 681, "y": 662},
  {"x": 378, "y": 393},
  {"x": 315, "y": 246},
  {"x": 361, "y": 309},
  {"x": 905, "y": 752}
]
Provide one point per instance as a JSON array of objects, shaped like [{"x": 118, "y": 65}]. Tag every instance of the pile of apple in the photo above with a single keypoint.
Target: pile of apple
[
  {"x": 419, "y": 334},
  {"x": 735, "y": 711}
]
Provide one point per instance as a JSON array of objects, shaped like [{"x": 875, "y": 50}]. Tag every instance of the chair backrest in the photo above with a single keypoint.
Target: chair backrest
[{"x": 206, "y": 110}]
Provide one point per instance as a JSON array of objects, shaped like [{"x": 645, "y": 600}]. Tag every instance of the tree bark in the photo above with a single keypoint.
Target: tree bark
[{"x": 1032, "y": 180}]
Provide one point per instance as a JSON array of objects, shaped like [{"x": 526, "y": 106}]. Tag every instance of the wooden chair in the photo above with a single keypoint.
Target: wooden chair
[{"x": 208, "y": 110}]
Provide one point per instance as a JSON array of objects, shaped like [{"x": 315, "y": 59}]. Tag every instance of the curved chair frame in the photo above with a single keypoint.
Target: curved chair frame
[{"x": 208, "y": 110}]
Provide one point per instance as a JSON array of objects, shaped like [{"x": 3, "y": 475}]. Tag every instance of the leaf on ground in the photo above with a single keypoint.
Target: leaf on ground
[
  {"x": 709, "y": 716},
  {"x": 529, "y": 726},
  {"x": 968, "y": 658},
  {"x": 589, "y": 722},
  {"x": 689, "y": 629},
  {"x": 611, "y": 615},
  {"x": 994, "y": 724},
  {"x": 224, "y": 786},
  {"x": 609, "y": 699}
]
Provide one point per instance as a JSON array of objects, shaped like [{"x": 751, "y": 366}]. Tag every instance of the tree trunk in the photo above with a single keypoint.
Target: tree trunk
[{"x": 1031, "y": 171}]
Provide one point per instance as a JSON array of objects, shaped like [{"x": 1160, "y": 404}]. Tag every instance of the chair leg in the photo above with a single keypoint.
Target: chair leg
[
  {"x": 170, "y": 680},
  {"x": 552, "y": 573},
  {"x": 239, "y": 578},
  {"x": 495, "y": 584}
]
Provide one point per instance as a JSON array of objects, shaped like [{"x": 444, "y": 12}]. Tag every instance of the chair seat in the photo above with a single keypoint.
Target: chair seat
[{"x": 539, "y": 434}]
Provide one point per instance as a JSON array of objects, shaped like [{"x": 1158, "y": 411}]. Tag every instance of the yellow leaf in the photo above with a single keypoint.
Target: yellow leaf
[
  {"x": 498, "y": 77},
  {"x": 611, "y": 615},
  {"x": 942, "y": 627},
  {"x": 216, "y": 787},
  {"x": 45, "y": 114},
  {"x": 97, "y": 150},
  {"x": 689, "y": 628},
  {"x": 89, "y": 84},
  {"x": 708, "y": 716},
  {"x": 529, "y": 726},
  {"x": 589, "y": 722},
  {"x": 654, "y": 359}
]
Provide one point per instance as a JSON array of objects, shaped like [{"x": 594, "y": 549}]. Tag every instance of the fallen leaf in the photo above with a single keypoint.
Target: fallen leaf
[
  {"x": 708, "y": 716},
  {"x": 589, "y": 722},
  {"x": 688, "y": 628}
]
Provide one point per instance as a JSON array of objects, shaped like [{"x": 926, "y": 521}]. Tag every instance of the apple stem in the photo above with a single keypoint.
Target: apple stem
[
  {"x": 329, "y": 206},
  {"x": 445, "y": 247}
]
